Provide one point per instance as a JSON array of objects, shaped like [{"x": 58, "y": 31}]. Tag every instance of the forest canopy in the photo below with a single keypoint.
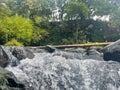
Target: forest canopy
[{"x": 42, "y": 22}]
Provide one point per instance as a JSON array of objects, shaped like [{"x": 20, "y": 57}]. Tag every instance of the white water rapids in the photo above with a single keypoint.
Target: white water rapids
[{"x": 55, "y": 72}]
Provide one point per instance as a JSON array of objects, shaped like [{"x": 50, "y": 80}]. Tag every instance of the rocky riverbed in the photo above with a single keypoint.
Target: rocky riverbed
[{"x": 53, "y": 69}]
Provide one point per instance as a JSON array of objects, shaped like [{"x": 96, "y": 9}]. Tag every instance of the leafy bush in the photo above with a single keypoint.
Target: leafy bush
[
  {"x": 13, "y": 42},
  {"x": 16, "y": 27}
]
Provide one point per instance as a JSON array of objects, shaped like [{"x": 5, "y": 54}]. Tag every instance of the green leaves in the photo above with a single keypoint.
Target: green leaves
[
  {"x": 28, "y": 20},
  {"x": 16, "y": 27},
  {"x": 77, "y": 10},
  {"x": 21, "y": 29},
  {"x": 38, "y": 35},
  {"x": 13, "y": 42},
  {"x": 4, "y": 11}
]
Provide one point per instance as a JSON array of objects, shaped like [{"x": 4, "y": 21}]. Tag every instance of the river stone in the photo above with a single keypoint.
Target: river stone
[
  {"x": 50, "y": 49},
  {"x": 12, "y": 55},
  {"x": 93, "y": 54},
  {"x": 36, "y": 50},
  {"x": 22, "y": 53},
  {"x": 112, "y": 51},
  {"x": 9, "y": 82},
  {"x": 77, "y": 50},
  {"x": 68, "y": 55},
  {"x": 4, "y": 59}
]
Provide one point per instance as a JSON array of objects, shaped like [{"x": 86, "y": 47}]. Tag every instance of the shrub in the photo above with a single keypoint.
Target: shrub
[
  {"x": 13, "y": 42},
  {"x": 16, "y": 27}
]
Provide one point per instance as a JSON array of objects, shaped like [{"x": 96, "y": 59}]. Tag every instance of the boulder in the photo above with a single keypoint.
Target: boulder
[
  {"x": 50, "y": 49},
  {"x": 4, "y": 58},
  {"x": 112, "y": 51},
  {"x": 22, "y": 53},
  {"x": 9, "y": 82},
  {"x": 13, "y": 55},
  {"x": 93, "y": 54}
]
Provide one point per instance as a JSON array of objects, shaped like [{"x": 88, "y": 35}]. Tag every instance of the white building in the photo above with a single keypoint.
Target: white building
[{"x": 55, "y": 15}]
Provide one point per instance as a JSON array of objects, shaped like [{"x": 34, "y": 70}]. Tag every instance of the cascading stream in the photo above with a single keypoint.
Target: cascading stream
[{"x": 48, "y": 71}]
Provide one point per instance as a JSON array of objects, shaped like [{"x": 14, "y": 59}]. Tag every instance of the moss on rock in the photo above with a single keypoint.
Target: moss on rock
[{"x": 9, "y": 82}]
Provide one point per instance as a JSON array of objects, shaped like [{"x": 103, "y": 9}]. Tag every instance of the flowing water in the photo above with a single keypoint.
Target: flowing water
[{"x": 67, "y": 71}]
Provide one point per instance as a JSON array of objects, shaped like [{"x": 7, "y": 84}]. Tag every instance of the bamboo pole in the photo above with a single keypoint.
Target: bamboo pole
[{"x": 78, "y": 45}]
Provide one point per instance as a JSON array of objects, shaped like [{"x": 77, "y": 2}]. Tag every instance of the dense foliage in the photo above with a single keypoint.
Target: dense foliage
[
  {"x": 41, "y": 22},
  {"x": 13, "y": 42}
]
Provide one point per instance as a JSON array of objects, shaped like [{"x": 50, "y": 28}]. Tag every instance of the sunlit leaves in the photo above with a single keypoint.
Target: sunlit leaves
[
  {"x": 38, "y": 34},
  {"x": 16, "y": 27}
]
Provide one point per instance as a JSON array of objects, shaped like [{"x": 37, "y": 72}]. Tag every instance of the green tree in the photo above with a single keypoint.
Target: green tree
[
  {"x": 21, "y": 29},
  {"x": 77, "y": 12},
  {"x": 16, "y": 27},
  {"x": 4, "y": 11},
  {"x": 30, "y": 8},
  {"x": 99, "y": 7}
]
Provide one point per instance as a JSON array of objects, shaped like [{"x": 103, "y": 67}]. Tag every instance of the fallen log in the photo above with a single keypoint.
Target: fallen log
[{"x": 77, "y": 45}]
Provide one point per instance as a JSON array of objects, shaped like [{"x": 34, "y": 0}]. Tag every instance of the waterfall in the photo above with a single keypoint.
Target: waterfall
[{"x": 66, "y": 71}]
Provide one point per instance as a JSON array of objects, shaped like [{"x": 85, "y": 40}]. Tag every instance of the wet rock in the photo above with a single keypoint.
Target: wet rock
[
  {"x": 4, "y": 59},
  {"x": 22, "y": 53},
  {"x": 112, "y": 51},
  {"x": 80, "y": 54},
  {"x": 72, "y": 56},
  {"x": 93, "y": 54},
  {"x": 14, "y": 61},
  {"x": 12, "y": 55},
  {"x": 57, "y": 73},
  {"x": 98, "y": 48},
  {"x": 36, "y": 50},
  {"x": 77, "y": 50},
  {"x": 9, "y": 82},
  {"x": 68, "y": 54},
  {"x": 50, "y": 49}
]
